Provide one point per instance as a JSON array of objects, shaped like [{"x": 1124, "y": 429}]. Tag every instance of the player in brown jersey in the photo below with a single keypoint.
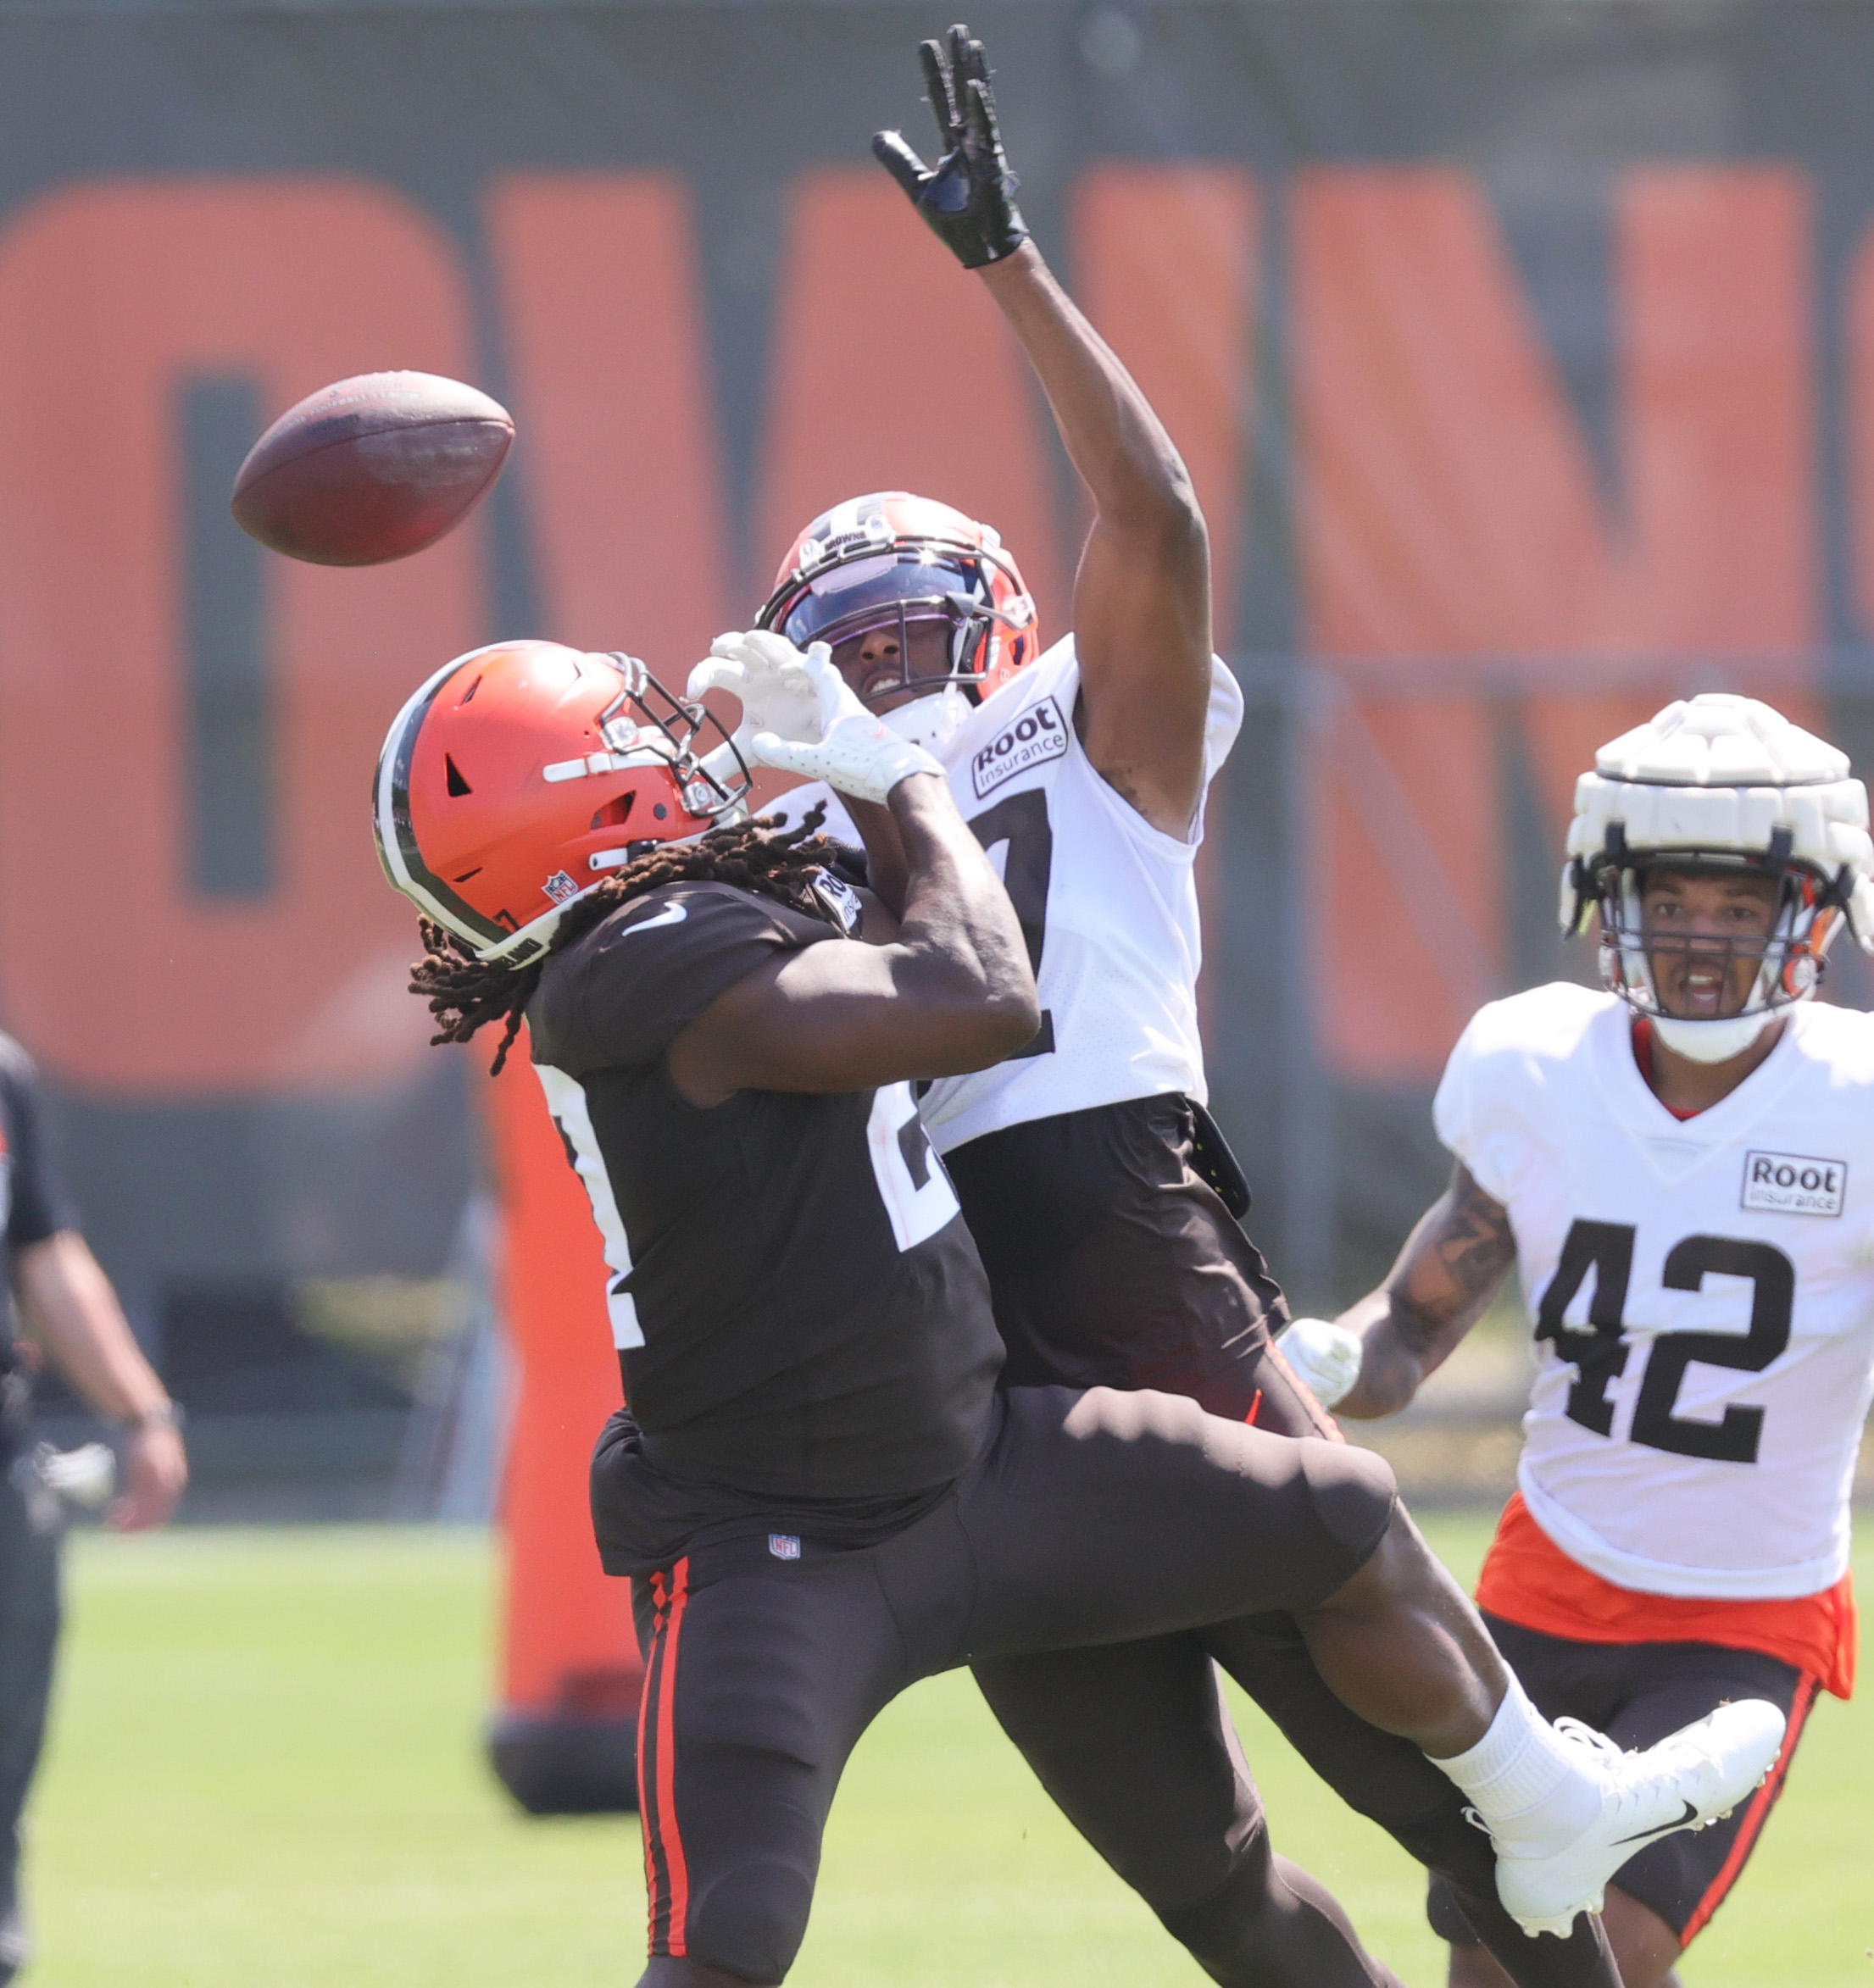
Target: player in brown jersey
[{"x": 817, "y": 1488}]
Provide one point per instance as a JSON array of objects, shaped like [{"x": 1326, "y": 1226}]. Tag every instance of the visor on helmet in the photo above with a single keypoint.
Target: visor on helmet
[{"x": 936, "y": 602}]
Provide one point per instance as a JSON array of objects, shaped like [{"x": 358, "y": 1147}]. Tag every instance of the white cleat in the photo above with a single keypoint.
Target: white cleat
[{"x": 1692, "y": 1777}]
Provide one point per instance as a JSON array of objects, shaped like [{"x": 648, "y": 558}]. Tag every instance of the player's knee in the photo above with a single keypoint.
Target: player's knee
[
  {"x": 750, "y": 1921},
  {"x": 1225, "y": 1931},
  {"x": 1354, "y": 1494},
  {"x": 1179, "y": 1873}
]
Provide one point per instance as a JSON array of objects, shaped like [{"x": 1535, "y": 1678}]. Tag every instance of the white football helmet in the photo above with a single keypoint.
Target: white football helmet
[{"x": 1721, "y": 782}]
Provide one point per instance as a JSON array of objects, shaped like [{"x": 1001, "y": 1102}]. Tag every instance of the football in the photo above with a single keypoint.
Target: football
[{"x": 371, "y": 469}]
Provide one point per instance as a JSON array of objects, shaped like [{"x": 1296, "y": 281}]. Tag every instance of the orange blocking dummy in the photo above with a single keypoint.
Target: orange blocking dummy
[{"x": 566, "y": 1739}]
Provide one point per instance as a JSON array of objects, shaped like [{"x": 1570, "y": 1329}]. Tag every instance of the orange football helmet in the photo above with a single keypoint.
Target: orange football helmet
[
  {"x": 894, "y": 559},
  {"x": 522, "y": 774}
]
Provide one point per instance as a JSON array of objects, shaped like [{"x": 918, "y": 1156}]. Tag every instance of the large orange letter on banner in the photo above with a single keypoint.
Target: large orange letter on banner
[
  {"x": 893, "y": 370},
  {"x": 1449, "y": 508},
  {"x": 1164, "y": 262},
  {"x": 1860, "y": 310},
  {"x": 605, "y": 347},
  {"x": 109, "y": 295}
]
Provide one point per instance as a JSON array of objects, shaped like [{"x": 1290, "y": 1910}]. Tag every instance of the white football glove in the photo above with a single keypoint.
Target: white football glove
[
  {"x": 769, "y": 675},
  {"x": 852, "y": 750},
  {"x": 1326, "y": 1356}
]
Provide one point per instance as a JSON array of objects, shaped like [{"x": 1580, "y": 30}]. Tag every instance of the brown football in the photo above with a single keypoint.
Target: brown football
[{"x": 372, "y": 468}]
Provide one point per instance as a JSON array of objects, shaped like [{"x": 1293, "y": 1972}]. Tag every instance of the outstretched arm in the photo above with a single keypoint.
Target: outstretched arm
[
  {"x": 952, "y": 992},
  {"x": 1446, "y": 1279},
  {"x": 949, "y": 990},
  {"x": 1142, "y": 596}
]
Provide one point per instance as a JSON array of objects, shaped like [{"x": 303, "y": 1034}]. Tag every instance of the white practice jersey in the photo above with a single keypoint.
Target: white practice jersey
[
  {"x": 1703, "y": 1290},
  {"x": 1108, "y": 902}
]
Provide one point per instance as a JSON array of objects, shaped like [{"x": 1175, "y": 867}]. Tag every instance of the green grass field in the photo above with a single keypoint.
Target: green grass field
[{"x": 265, "y": 1772}]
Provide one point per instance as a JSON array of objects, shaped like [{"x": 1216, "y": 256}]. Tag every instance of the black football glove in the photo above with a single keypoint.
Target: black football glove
[{"x": 968, "y": 196}]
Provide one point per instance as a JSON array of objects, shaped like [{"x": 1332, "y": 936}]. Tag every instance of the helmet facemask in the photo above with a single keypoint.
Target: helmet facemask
[
  {"x": 1720, "y": 785},
  {"x": 1777, "y": 967},
  {"x": 643, "y": 724},
  {"x": 645, "y": 719}
]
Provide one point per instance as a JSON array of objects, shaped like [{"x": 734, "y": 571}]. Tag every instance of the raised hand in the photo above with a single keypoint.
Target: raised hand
[
  {"x": 769, "y": 675},
  {"x": 851, "y": 749},
  {"x": 968, "y": 196}
]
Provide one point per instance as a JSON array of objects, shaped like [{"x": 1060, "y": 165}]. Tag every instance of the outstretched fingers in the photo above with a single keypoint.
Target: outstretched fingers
[
  {"x": 969, "y": 63},
  {"x": 984, "y": 137},
  {"x": 715, "y": 673},
  {"x": 937, "y": 87}
]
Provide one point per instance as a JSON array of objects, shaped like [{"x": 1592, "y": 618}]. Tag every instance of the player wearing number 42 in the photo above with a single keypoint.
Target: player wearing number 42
[{"x": 1682, "y": 1170}]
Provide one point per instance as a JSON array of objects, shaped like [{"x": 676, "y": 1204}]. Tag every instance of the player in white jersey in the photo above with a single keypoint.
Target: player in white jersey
[
  {"x": 1103, "y": 1201},
  {"x": 1681, "y": 1169}
]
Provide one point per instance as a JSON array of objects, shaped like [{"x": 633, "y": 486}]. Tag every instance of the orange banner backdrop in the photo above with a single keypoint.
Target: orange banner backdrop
[
  {"x": 109, "y": 295},
  {"x": 890, "y": 374},
  {"x": 1451, "y": 510},
  {"x": 607, "y": 348}
]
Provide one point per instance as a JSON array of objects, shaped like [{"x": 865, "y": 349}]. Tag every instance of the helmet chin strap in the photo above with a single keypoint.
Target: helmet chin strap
[
  {"x": 931, "y": 721},
  {"x": 1713, "y": 1041}
]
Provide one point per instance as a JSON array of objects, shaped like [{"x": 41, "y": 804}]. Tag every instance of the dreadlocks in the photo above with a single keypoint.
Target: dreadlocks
[{"x": 465, "y": 994}]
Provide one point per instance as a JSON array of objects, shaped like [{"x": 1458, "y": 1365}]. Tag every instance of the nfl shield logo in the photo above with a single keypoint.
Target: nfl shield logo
[{"x": 784, "y": 1546}]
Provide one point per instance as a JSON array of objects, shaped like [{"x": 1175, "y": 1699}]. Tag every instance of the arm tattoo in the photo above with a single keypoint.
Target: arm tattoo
[
  {"x": 1452, "y": 1266},
  {"x": 1475, "y": 1245}
]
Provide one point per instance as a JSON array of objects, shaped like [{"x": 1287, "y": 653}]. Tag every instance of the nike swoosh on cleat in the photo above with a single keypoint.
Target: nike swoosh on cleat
[{"x": 1663, "y": 1830}]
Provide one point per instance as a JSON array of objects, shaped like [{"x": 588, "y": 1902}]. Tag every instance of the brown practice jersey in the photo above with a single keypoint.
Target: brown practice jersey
[{"x": 801, "y": 1317}]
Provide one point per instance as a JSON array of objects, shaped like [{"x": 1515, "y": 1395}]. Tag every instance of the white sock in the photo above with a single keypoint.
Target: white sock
[{"x": 1535, "y": 1791}]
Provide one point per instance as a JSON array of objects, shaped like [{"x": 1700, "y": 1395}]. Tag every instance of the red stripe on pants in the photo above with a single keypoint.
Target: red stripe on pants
[
  {"x": 1325, "y": 1426},
  {"x": 666, "y": 1872},
  {"x": 646, "y": 1701},
  {"x": 1757, "y": 1814}
]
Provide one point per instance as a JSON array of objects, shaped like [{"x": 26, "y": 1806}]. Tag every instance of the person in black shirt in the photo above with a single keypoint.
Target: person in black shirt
[
  {"x": 71, "y": 1316},
  {"x": 817, "y": 1490}
]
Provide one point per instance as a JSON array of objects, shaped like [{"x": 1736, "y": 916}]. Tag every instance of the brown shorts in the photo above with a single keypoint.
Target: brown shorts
[
  {"x": 1090, "y": 1519},
  {"x": 1113, "y": 1261}
]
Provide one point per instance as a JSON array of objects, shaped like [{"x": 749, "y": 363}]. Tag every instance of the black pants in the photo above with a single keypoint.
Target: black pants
[
  {"x": 1637, "y": 1693},
  {"x": 1111, "y": 1262},
  {"x": 29, "y": 1630},
  {"x": 1089, "y": 1519}
]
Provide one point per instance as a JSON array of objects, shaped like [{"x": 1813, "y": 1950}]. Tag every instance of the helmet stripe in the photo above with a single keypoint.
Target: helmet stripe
[{"x": 397, "y": 846}]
